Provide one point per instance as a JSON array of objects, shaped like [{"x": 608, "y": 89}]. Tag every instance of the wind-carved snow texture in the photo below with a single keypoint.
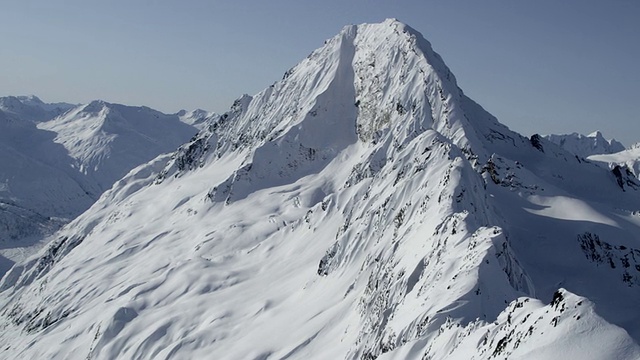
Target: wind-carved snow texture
[{"x": 360, "y": 208}]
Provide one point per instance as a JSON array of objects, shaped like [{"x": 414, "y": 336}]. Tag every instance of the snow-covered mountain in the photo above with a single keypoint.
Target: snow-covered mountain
[
  {"x": 57, "y": 159},
  {"x": 626, "y": 159},
  {"x": 38, "y": 193},
  {"x": 197, "y": 118},
  {"x": 107, "y": 140},
  {"x": 32, "y": 108},
  {"x": 610, "y": 154},
  {"x": 362, "y": 207},
  {"x": 585, "y": 146}
]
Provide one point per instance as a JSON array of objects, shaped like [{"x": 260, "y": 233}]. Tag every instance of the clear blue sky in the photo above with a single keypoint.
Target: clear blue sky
[{"x": 539, "y": 66}]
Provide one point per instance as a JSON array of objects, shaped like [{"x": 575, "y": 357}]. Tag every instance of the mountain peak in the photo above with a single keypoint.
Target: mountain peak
[
  {"x": 197, "y": 118},
  {"x": 11, "y": 103},
  {"x": 361, "y": 207},
  {"x": 383, "y": 80},
  {"x": 584, "y": 146},
  {"x": 596, "y": 134},
  {"x": 32, "y": 99},
  {"x": 105, "y": 138},
  {"x": 95, "y": 106},
  {"x": 31, "y": 108}
]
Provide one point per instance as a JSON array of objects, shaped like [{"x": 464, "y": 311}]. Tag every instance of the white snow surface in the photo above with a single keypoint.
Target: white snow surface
[
  {"x": 362, "y": 207},
  {"x": 107, "y": 140},
  {"x": 585, "y": 146},
  {"x": 197, "y": 118},
  {"x": 57, "y": 159},
  {"x": 629, "y": 158}
]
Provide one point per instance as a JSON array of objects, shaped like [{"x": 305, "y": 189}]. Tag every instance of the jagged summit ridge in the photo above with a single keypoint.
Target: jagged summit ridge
[
  {"x": 361, "y": 207},
  {"x": 385, "y": 77}
]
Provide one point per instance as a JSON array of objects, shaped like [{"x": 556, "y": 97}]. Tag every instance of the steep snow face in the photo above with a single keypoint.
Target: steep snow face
[
  {"x": 585, "y": 146},
  {"x": 107, "y": 140},
  {"x": 362, "y": 207}
]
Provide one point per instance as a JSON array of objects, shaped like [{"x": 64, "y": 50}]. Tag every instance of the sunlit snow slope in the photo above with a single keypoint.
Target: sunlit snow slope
[
  {"x": 107, "y": 140},
  {"x": 57, "y": 159},
  {"x": 629, "y": 158},
  {"x": 362, "y": 207}
]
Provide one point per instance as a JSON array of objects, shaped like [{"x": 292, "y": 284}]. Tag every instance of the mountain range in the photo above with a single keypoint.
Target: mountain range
[
  {"x": 585, "y": 146},
  {"x": 608, "y": 153},
  {"x": 363, "y": 207},
  {"x": 57, "y": 159}
]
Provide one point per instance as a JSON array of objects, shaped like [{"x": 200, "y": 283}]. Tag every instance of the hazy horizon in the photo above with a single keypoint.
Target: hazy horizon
[{"x": 539, "y": 67}]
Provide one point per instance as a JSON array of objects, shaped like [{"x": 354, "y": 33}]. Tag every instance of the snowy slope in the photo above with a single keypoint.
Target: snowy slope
[
  {"x": 107, "y": 140},
  {"x": 38, "y": 193},
  {"x": 629, "y": 158},
  {"x": 197, "y": 118},
  {"x": 32, "y": 108},
  {"x": 608, "y": 153},
  {"x": 362, "y": 207},
  {"x": 585, "y": 146},
  {"x": 54, "y": 167}
]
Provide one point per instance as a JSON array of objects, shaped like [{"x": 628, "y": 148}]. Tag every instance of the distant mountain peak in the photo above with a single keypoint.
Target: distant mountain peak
[
  {"x": 11, "y": 102},
  {"x": 105, "y": 137},
  {"x": 30, "y": 99},
  {"x": 198, "y": 118},
  {"x": 595, "y": 134},
  {"x": 31, "y": 108},
  {"x": 95, "y": 106},
  {"x": 585, "y": 146}
]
